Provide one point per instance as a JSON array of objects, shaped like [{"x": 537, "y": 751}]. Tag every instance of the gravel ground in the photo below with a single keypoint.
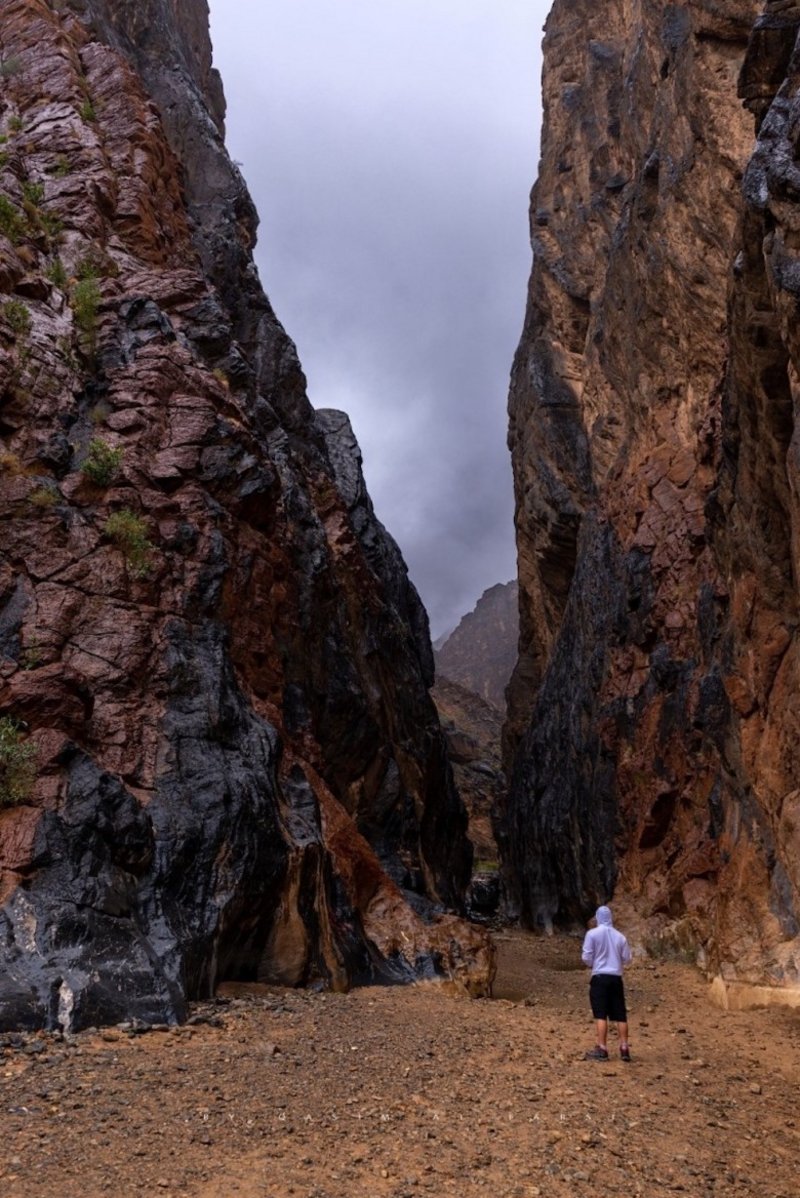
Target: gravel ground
[{"x": 395, "y": 1093}]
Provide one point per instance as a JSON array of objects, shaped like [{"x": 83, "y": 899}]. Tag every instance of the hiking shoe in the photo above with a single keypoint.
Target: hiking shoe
[
  {"x": 625, "y": 1054},
  {"x": 596, "y": 1054}
]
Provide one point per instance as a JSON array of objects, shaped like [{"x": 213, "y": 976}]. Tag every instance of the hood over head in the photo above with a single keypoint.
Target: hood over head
[{"x": 603, "y": 916}]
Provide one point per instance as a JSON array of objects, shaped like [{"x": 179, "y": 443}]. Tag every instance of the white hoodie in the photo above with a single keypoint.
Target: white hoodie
[{"x": 605, "y": 950}]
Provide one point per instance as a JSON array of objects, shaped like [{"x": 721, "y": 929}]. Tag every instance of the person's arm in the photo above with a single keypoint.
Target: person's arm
[{"x": 587, "y": 952}]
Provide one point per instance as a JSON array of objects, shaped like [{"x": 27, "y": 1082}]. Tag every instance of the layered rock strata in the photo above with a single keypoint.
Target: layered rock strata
[
  {"x": 654, "y": 713},
  {"x": 207, "y": 640}
]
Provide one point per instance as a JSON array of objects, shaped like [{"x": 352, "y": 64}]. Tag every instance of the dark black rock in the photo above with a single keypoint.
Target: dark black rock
[
  {"x": 483, "y": 897},
  {"x": 134, "y": 903}
]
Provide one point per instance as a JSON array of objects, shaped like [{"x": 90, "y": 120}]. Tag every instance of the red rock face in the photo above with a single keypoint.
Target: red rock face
[
  {"x": 654, "y": 711},
  {"x": 209, "y": 639}
]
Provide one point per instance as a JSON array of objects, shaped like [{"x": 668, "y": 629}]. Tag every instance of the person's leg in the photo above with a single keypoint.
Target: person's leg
[
  {"x": 620, "y": 1012},
  {"x": 598, "y": 1001}
]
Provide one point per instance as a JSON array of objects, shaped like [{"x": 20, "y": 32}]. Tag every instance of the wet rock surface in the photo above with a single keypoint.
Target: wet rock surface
[
  {"x": 208, "y": 640},
  {"x": 391, "y": 1093},
  {"x": 653, "y": 410}
]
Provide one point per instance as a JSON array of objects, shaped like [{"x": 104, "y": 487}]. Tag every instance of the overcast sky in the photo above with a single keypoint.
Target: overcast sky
[{"x": 390, "y": 146}]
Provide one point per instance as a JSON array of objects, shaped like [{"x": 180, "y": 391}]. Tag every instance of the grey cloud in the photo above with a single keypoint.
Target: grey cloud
[{"x": 390, "y": 148}]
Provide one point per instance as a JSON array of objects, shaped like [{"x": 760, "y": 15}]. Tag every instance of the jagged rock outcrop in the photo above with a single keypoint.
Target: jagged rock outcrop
[
  {"x": 206, "y": 636},
  {"x": 653, "y": 719},
  {"x": 480, "y": 654}
]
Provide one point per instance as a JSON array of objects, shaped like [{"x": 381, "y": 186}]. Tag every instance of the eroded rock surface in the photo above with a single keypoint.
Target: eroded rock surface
[
  {"x": 472, "y": 731},
  {"x": 654, "y": 712},
  {"x": 480, "y": 654},
  {"x": 210, "y": 641}
]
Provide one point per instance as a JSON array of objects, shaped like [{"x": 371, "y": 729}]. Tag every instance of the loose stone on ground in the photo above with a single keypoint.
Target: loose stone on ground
[{"x": 386, "y": 1093}]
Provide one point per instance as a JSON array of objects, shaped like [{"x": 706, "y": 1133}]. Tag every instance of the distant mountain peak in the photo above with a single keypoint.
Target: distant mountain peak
[{"x": 482, "y": 651}]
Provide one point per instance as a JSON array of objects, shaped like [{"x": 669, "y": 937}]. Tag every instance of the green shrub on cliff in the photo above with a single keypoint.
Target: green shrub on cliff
[
  {"x": 33, "y": 193},
  {"x": 17, "y": 764},
  {"x": 18, "y": 317},
  {"x": 12, "y": 222},
  {"x": 129, "y": 533},
  {"x": 51, "y": 226},
  {"x": 84, "y": 301},
  {"x": 57, "y": 274},
  {"x": 102, "y": 463}
]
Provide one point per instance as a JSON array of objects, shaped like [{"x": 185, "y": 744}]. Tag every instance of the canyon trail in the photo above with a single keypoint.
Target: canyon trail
[{"x": 390, "y": 1092}]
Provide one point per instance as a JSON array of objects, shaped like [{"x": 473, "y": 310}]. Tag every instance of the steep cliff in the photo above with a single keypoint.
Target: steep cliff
[
  {"x": 472, "y": 729},
  {"x": 654, "y": 714},
  {"x": 218, "y": 757},
  {"x": 481, "y": 653}
]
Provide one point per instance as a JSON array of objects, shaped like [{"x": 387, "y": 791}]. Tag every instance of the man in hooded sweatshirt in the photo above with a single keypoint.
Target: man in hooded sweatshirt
[{"x": 606, "y": 952}]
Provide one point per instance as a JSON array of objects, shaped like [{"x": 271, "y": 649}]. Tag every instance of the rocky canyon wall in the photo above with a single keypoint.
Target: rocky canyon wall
[
  {"x": 219, "y": 757},
  {"x": 654, "y": 713}
]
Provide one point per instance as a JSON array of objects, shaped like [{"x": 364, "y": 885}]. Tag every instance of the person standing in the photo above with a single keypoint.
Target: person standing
[{"x": 606, "y": 952}]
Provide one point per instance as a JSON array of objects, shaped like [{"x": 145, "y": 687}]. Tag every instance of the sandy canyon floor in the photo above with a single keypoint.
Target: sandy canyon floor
[{"x": 398, "y": 1093}]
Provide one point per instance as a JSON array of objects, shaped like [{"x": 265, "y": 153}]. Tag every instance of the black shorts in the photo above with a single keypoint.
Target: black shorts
[{"x": 607, "y": 996}]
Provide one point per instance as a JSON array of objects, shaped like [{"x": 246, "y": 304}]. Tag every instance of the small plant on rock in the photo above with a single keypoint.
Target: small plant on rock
[
  {"x": 129, "y": 533},
  {"x": 43, "y": 498},
  {"x": 11, "y": 463},
  {"x": 87, "y": 111},
  {"x": 57, "y": 274},
  {"x": 91, "y": 265},
  {"x": 102, "y": 463},
  {"x": 85, "y": 300},
  {"x": 17, "y": 764},
  {"x": 37, "y": 220},
  {"x": 51, "y": 226},
  {"x": 33, "y": 193},
  {"x": 98, "y": 414},
  {"x": 18, "y": 317},
  {"x": 12, "y": 222}
]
